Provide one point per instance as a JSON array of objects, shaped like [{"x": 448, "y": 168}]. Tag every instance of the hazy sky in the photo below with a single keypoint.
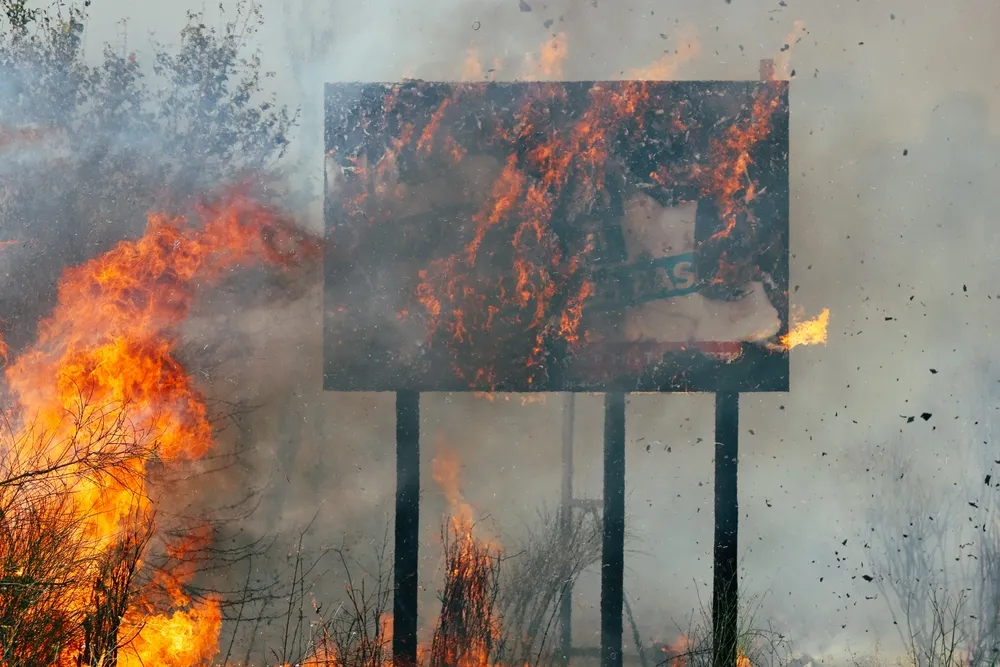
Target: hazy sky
[{"x": 901, "y": 248}]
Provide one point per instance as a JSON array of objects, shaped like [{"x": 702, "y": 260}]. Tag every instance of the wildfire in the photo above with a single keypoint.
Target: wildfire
[
  {"x": 679, "y": 653},
  {"x": 809, "y": 332},
  {"x": 665, "y": 68},
  {"x": 468, "y": 630},
  {"x": 100, "y": 396},
  {"x": 782, "y": 62},
  {"x": 524, "y": 399},
  {"x": 549, "y": 63},
  {"x": 472, "y": 69}
]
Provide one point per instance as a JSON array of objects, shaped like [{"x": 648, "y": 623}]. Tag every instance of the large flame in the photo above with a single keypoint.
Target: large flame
[
  {"x": 469, "y": 629},
  {"x": 808, "y": 332},
  {"x": 100, "y": 396}
]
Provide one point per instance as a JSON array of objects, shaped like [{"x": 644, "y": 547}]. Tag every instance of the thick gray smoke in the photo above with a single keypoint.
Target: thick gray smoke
[{"x": 894, "y": 143}]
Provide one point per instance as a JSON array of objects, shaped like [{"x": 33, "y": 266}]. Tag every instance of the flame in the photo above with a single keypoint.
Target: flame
[
  {"x": 525, "y": 399},
  {"x": 468, "y": 626},
  {"x": 100, "y": 395},
  {"x": 728, "y": 179},
  {"x": 551, "y": 57},
  {"x": 445, "y": 472},
  {"x": 515, "y": 279},
  {"x": 528, "y": 191},
  {"x": 809, "y": 332},
  {"x": 782, "y": 61},
  {"x": 472, "y": 69},
  {"x": 677, "y": 652},
  {"x": 665, "y": 68},
  {"x": 13, "y": 137}
]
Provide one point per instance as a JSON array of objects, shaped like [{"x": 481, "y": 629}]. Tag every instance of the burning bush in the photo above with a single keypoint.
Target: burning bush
[{"x": 469, "y": 628}]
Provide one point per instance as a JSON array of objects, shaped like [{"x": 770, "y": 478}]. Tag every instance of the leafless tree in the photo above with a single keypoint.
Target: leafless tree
[
  {"x": 61, "y": 591},
  {"x": 469, "y": 625},
  {"x": 940, "y": 577},
  {"x": 535, "y": 578}
]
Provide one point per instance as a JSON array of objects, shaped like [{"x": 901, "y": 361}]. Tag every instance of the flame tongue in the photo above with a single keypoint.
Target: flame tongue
[{"x": 100, "y": 392}]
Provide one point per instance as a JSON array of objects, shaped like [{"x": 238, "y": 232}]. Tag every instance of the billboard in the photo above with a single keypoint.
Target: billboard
[{"x": 572, "y": 236}]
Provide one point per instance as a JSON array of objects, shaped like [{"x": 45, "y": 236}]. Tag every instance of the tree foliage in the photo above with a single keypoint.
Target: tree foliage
[{"x": 89, "y": 145}]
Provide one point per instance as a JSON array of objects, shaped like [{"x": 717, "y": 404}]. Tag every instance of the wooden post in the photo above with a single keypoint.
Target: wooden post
[
  {"x": 406, "y": 548},
  {"x": 725, "y": 580},
  {"x": 613, "y": 550},
  {"x": 566, "y": 521}
]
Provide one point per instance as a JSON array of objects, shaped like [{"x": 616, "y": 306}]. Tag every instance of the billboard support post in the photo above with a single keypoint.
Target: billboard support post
[
  {"x": 725, "y": 598},
  {"x": 407, "y": 528},
  {"x": 613, "y": 548},
  {"x": 566, "y": 521}
]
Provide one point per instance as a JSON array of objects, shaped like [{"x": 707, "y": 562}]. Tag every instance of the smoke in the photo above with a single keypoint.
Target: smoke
[{"x": 894, "y": 136}]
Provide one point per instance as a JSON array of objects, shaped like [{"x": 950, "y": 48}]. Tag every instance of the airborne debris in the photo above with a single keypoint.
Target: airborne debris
[
  {"x": 868, "y": 577},
  {"x": 524, "y": 6},
  {"x": 926, "y": 416}
]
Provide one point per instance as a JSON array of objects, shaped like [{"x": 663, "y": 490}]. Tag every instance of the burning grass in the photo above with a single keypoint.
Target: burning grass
[{"x": 98, "y": 399}]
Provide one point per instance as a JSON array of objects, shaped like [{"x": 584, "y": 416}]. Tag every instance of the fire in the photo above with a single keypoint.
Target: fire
[
  {"x": 665, "y": 68},
  {"x": 468, "y": 631},
  {"x": 679, "y": 653},
  {"x": 782, "y": 62},
  {"x": 509, "y": 294},
  {"x": 729, "y": 179},
  {"x": 100, "y": 396},
  {"x": 551, "y": 57},
  {"x": 472, "y": 69},
  {"x": 809, "y": 332},
  {"x": 525, "y": 399}
]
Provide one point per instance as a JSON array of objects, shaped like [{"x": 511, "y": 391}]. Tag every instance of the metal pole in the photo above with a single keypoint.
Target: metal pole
[
  {"x": 404, "y": 601},
  {"x": 566, "y": 524},
  {"x": 613, "y": 551},
  {"x": 725, "y": 599}
]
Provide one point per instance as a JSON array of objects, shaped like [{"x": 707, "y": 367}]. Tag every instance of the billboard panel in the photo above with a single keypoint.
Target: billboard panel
[{"x": 581, "y": 236}]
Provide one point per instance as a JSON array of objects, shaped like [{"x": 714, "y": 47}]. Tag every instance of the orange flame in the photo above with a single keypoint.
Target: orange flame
[
  {"x": 101, "y": 383},
  {"x": 782, "y": 61},
  {"x": 665, "y": 68},
  {"x": 551, "y": 57},
  {"x": 729, "y": 180},
  {"x": 468, "y": 625},
  {"x": 809, "y": 332},
  {"x": 472, "y": 69}
]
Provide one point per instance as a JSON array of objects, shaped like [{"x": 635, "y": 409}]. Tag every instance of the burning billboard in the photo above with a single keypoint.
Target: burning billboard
[{"x": 584, "y": 236}]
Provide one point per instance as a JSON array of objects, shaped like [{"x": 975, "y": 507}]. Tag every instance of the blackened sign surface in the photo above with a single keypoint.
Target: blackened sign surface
[{"x": 585, "y": 236}]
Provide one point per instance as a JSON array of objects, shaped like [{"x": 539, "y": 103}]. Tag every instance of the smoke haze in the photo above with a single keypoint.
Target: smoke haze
[{"x": 895, "y": 112}]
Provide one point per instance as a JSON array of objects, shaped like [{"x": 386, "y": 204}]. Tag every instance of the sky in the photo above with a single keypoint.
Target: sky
[{"x": 893, "y": 219}]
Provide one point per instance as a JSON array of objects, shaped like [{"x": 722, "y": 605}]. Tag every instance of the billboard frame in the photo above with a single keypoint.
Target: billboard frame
[
  {"x": 725, "y": 547},
  {"x": 667, "y": 367}
]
